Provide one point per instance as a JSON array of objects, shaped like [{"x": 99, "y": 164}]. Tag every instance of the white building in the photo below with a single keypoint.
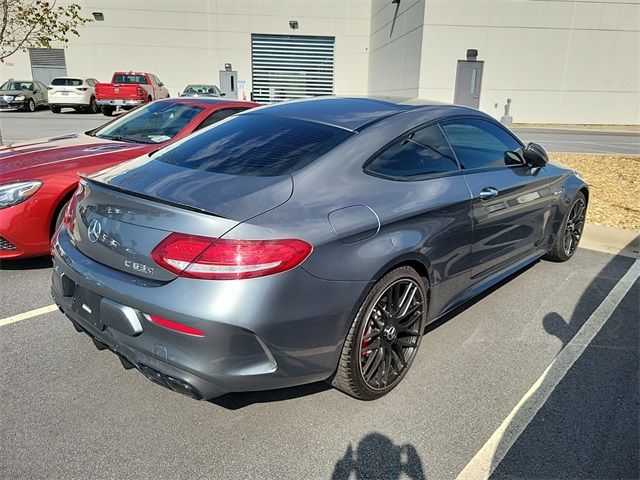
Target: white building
[{"x": 560, "y": 61}]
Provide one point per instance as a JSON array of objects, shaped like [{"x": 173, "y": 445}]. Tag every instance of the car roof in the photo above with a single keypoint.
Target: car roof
[
  {"x": 351, "y": 113},
  {"x": 210, "y": 102}
]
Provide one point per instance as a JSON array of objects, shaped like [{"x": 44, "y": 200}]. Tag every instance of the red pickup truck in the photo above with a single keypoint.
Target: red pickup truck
[{"x": 128, "y": 90}]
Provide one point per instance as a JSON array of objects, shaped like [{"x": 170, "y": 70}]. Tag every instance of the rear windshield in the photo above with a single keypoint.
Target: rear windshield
[
  {"x": 256, "y": 145},
  {"x": 69, "y": 82},
  {"x": 129, "y": 78}
]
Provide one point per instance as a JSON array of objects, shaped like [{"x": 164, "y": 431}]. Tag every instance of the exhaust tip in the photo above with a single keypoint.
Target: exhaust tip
[{"x": 172, "y": 383}]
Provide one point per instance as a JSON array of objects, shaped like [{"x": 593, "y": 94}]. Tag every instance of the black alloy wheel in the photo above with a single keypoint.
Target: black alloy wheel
[
  {"x": 384, "y": 337},
  {"x": 570, "y": 232},
  {"x": 574, "y": 226}
]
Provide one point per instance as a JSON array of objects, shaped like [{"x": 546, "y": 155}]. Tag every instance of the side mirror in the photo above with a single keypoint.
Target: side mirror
[
  {"x": 535, "y": 155},
  {"x": 161, "y": 84}
]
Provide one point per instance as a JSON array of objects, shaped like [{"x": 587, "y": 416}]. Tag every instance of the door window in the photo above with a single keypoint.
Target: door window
[
  {"x": 480, "y": 143},
  {"x": 423, "y": 152}
]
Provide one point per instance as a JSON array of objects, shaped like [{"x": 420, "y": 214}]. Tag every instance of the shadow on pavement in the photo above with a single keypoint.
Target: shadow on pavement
[
  {"x": 589, "y": 425},
  {"x": 377, "y": 457},
  {"x": 236, "y": 401},
  {"x": 35, "y": 263}
]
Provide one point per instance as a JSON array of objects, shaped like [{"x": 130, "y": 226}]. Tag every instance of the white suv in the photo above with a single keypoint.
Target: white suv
[{"x": 75, "y": 93}]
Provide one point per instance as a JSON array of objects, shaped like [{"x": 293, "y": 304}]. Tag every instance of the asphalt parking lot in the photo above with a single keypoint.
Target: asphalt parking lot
[
  {"x": 71, "y": 411},
  {"x": 538, "y": 378}
]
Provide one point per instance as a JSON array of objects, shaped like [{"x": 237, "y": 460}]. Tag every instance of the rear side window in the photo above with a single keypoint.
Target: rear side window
[
  {"x": 256, "y": 145},
  {"x": 479, "y": 143},
  {"x": 423, "y": 152},
  {"x": 69, "y": 82},
  {"x": 137, "y": 79},
  {"x": 216, "y": 116}
]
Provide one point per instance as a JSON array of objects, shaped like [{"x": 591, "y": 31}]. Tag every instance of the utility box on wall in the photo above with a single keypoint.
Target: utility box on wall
[
  {"x": 469, "y": 80},
  {"x": 229, "y": 83}
]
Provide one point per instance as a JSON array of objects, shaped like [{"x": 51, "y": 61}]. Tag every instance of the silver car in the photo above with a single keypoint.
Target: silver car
[{"x": 306, "y": 241}]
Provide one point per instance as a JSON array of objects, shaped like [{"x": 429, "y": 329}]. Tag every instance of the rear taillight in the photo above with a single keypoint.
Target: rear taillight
[
  {"x": 69, "y": 218},
  {"x": 139, "y": 91},
  {"x": 82, "y": 89},
  {"x": 175, "y": 326},
  {"x": 194, "y": 256}
]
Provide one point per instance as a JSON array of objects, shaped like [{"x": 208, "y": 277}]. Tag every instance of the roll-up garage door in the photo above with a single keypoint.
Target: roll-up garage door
[
  {"x": 285, "y": 67},
  {"x": 47, "y": 64}
]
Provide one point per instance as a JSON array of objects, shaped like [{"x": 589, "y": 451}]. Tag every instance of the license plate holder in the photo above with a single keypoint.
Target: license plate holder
[{"x": 87, "y": 305}]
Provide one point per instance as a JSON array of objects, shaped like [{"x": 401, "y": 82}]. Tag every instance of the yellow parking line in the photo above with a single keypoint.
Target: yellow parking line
[{"x": 29, "y": 314}]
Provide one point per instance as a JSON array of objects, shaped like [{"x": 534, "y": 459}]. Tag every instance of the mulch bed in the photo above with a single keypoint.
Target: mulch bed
[{"x": 614, "y": 182}]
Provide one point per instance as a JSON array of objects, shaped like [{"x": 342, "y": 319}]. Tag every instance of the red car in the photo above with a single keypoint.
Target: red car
[
  {"x": 128, "y": 90},
  {"x": 37, "y": 178}
]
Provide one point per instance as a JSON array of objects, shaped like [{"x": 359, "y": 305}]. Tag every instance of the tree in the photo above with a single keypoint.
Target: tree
[{"x": 28, "y": 24}]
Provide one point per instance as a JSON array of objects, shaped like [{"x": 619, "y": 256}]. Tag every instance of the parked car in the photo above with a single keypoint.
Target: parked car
[
  {"x": 76, "y": 93},
  {"x": 201, "y": 90},
  {"x": 37, "y": 178},
  {"x": 23, "y": 95},
  {"x": 128, "y": 90},
  {"x": 306, "y": 241}
]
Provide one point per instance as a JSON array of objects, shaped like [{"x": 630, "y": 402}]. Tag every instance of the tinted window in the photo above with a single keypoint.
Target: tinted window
[
  {"x": 126, "y": 78},
  {"x": 423, "y": 152},
  {"x": 152, "y": 123},
  {"x": 479, "y": 143},
  {"x": 215, "y": 117},
  {"x": 69, "y": 82},
  {"x": 256, "y": 145}
]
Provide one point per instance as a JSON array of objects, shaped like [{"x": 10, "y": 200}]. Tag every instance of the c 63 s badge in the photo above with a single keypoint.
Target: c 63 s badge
[{"x": 138, "y": 267}]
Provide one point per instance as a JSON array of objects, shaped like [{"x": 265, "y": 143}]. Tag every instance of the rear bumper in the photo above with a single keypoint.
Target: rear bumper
[
  {"x": 261, "y": 333},
  {"x": 119, "y": 102}
]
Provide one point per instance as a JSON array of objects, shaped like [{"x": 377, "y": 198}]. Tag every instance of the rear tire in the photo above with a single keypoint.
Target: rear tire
[
  {"x": 570, "y": 232},
  {"x": 92, "y": 107},
  {"x": 55, "y": 108},
  {"x": 107, "y": 110},
  {"x": 384, "y": 337}
]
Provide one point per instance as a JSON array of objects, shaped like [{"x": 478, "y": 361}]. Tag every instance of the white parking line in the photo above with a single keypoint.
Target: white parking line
[
  {"x": 27, "y": 315},
  {"x": 493, "y": 452}
]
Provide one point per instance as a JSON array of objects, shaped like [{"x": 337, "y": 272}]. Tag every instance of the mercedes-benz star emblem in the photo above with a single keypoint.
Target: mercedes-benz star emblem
[
  {"x": 95, "y": 229},
  {"x": 389, "y": 332}
]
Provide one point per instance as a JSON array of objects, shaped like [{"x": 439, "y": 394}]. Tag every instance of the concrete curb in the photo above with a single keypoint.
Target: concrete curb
[{"x": 611, "y": 240}]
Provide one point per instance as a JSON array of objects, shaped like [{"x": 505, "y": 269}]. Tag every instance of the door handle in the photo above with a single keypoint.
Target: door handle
[{"x": 487, "y": 193}]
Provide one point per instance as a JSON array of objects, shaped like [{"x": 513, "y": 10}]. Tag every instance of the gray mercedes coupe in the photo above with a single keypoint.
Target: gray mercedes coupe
[{"x": 306, "y": 241}]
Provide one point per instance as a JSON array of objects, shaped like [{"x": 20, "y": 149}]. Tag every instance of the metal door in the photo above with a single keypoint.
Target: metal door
[
  {"x": 510, "y": 210},
  {"x": 468, "y": 83},
  {"x": 229, "y": 83},
  {"x": 47, "y": 64}
]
